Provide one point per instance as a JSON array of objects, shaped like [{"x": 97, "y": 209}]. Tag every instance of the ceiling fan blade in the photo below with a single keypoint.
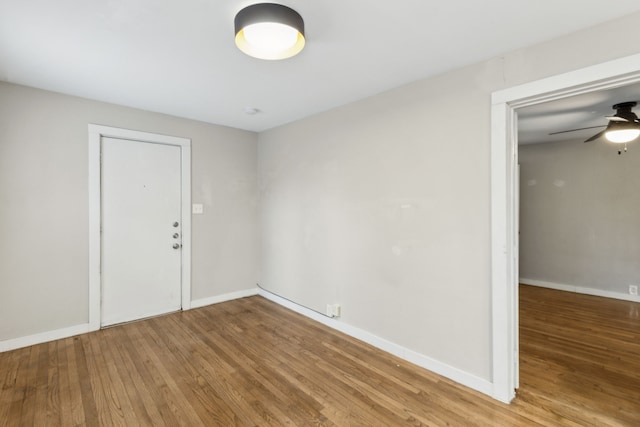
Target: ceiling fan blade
[
  {"x": 596, "y": 136},
  {"x": 616, "y": 119},
  {"x": 573, "y": 130}
]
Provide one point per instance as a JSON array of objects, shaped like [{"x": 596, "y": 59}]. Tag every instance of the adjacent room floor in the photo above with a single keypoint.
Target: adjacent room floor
[{"x": 251, "y": 362}]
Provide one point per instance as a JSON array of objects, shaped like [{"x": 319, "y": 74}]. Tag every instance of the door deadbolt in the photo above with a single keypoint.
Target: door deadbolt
[
  {"x": 176, "y": 246},
  {"x": 175, "y": 224},
  {"x": 176, "y": 235}
]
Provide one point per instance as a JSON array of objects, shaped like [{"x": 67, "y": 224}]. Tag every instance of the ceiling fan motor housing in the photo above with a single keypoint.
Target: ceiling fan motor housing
[{"x": 623, "y": 111}]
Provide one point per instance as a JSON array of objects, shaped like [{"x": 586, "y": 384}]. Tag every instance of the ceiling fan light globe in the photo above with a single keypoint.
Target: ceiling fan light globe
[{"x": 621, "y": 136}]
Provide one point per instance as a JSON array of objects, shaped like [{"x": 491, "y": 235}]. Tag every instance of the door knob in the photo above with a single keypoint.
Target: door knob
[
  {"x": 176, "y": 235},
  {"x": 176, "y": 246}
]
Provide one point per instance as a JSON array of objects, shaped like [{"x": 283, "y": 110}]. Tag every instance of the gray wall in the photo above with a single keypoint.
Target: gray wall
[
  {"x": 383, "y": 205},
  {"x": 580, "y": 214},
  {"x": 44, "y": 205}
]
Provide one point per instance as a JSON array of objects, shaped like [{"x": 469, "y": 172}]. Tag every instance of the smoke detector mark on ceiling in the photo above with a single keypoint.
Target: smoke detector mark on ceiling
[{"x": 251, "y": 111}]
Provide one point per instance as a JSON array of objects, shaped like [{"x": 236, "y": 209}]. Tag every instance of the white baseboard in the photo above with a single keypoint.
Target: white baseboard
[
  {"x": 223, "y": 298},
  {"x": 421, "y": 360},
  {"x": 15, "y": 343},
  {"x": 43, "y": 337},
  {"x": 580, "y": 290}
]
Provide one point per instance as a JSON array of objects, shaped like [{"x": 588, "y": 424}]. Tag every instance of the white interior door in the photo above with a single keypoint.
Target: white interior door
[{"x": 141, "y": 230}]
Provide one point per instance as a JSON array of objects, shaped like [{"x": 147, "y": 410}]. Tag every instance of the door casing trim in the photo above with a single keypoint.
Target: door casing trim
[
  {"x": 96, "y": 133},
  {"x": 504, "y": 161}
]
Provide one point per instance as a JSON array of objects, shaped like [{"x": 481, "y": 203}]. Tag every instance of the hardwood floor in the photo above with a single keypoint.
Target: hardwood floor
[
  {"x": 580, "y": 356},
  {"x": 252, "y": 363}
]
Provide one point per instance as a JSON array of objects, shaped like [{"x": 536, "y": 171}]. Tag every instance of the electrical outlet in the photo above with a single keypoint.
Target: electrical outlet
[
  {"x": 633, "y": 289},
  {"x": 334, "y": 310},
  {"x": 337, "y": 310}
]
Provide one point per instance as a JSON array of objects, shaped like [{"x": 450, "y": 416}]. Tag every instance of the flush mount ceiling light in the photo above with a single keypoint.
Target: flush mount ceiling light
[{"x": 269, "y": 31}]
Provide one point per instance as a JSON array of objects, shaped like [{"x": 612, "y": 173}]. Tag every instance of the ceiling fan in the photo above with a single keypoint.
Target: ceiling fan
[{"x": 623, "y": 126}]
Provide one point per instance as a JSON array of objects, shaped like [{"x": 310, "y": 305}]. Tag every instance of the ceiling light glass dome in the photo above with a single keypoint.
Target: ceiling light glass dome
[{"x": 269, "y": 31}]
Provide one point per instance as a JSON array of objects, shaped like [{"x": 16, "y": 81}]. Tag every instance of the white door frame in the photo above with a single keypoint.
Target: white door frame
[
  {"x": 504, "y": 160},
  {"x": 96, "y": 132}
]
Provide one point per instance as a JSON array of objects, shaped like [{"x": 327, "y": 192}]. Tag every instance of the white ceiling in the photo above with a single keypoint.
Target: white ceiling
[{"x": 179, "y": 58}]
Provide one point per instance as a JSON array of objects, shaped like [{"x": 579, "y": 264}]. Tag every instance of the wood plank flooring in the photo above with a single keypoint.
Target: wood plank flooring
[
  {"x": 580, "y": 356},
  {"x": 251, "y": 362}
]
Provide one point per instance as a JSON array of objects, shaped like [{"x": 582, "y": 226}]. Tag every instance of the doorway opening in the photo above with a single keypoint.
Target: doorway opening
[{"x": 504, "y": 202}]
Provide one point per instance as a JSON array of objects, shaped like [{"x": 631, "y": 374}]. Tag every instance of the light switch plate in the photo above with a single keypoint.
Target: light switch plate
[{"x": 197, "y": 208}]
